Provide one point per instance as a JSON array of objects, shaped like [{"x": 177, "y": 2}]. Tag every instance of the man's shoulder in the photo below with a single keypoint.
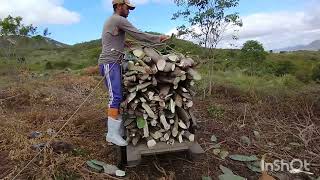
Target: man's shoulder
[{"x": 116, "y": 18}]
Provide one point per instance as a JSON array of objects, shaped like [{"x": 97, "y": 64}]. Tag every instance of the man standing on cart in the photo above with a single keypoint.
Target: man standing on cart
[{"x": 113, "y": 43}]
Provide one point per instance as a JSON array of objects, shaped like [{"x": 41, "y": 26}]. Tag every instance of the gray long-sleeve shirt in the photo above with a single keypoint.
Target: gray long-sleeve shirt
[{"x": 113, "y": 37}]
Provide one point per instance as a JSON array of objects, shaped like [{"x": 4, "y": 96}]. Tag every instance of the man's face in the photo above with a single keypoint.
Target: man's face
[{"x": 124, "y": 10}]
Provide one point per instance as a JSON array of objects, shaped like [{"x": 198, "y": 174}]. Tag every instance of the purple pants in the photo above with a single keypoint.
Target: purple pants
[{"x": 113, "y": 81}]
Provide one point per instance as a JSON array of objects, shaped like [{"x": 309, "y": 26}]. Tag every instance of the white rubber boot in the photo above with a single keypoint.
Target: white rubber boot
[{"x": 113, "y": 135}]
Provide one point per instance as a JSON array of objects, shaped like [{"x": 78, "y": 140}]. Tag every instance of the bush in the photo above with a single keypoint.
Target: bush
[
  {"x": 252, "y": 55},
  {"x": 93, "y": 55},
  {"x": 303, "y": 76},
  {"x": 314, "y": 59},
  {"x": 81, "y": 66},
  {"x": 48, "y": 65},
  {"x": 284, "y": 67},
  {"x": 253, "y": 51},
  {"x": 316, "y": 73},
  {"x": 38, "y": 37},
  {"x": 62, "y": 64},
  {"x": 287, "y": 81},
  {"x": 267, "y": 67}
]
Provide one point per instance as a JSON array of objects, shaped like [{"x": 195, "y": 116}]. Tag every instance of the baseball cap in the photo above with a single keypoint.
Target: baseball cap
[{"x": 127, "y": 2}]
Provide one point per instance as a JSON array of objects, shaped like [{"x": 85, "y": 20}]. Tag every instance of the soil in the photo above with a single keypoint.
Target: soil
[{"x": 40, "y": 103}]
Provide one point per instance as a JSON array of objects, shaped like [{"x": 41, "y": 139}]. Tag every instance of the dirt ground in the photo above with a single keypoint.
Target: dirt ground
[{"x": 38, "y": 102}]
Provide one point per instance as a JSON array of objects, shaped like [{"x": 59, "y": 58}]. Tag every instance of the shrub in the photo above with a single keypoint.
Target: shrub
[
  {"x": 316, "y": 73},
  {"x": 303, "y": 76},
  {"x": 48, "y": 65},
  {"x": 284, "y": 67},
  {"x": 93, "y": 55},
  {"x": 38, "y": 37},
  {"x": 62, "y": 64},
  {"x": 253, "y": 51},
  {"x": 313, "y": 59},
  {"x": 288, "y": 81}
]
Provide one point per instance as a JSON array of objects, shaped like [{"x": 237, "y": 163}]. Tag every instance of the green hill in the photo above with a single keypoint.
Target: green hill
[
  {"x": 44, "y": 54},
  {"x": 36, "y": 42}
]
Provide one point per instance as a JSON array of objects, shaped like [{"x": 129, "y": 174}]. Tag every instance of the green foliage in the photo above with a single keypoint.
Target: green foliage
[
  {"x": 151, "y": 32},
  {"x": 38, "y": 37},
  {"x": 12, "y": 26},
  {"x": 80, "y": 152},
  {"x": 94, "y": 54},
  {"x": 267, "y": 84},
  {"x": 215, "y": 111},
  {"x": 29, "y": 30},
  {"x": 46, "y": 32},
  {"x": 316, "y": 73},
  {"x": 277, "y": 68},
  {"x": 48, "y": 66},
  {"x": 141, "y": 123},
  {"x": 303, "y": 75},
  {"x": 211, "y": 17},
  {"x": 61, "y": 64},
  {"x": 63, "y": 174},
  {"x": 252, "y": 55},
  {"x": 278, "y": 74},
  {"x": 9, "y": 25},
  {"x": 253, "y": 51},
  {"x": 284, "y": 67}
]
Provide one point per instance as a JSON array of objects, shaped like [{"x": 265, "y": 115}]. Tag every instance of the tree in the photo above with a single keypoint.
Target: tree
[
  {"x": 9, "y": 25},
  {"x": 46, "y": 32},
  {"x": 12, "y": 26},
  {"x": 252, "y": 55},
  {"x": 253, "y": 51},
  {"x": 207, "y": 19},
  {"x": 29, "y": 30}
]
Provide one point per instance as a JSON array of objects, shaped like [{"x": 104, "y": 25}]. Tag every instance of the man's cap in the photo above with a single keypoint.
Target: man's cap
[{"x": 127, "y": 2}]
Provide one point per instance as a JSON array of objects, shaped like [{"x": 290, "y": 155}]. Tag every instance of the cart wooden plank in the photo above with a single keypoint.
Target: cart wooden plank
[{"x": 135, "y": 153}]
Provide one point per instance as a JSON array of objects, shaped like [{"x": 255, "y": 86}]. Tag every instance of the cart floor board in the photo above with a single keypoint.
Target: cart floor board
[{"x": 134, "y": 153}]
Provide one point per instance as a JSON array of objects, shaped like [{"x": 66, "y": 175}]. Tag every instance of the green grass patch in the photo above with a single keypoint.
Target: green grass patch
[
  {"x": 215, "y": 111},
  {"x": 263, "y": 85}
]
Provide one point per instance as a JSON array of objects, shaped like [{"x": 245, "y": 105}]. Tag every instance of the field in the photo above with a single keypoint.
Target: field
[{"x": 278, "y": 110}]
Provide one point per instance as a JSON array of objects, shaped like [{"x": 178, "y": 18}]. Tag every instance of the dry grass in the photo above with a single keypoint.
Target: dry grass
[
  {"x": 40, "y": 103},
  {"x": 280, "y": 121}
]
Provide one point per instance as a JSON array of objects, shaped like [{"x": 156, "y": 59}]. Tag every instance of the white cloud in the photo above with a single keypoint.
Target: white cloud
[
  {"x": 279, "y": 29},
  {"x": 172, "y": 31},
  {"x": 39, "y": 11}
]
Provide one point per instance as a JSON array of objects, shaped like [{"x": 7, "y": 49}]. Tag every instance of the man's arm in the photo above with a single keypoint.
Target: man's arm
[{"x": 126, "y": 26}]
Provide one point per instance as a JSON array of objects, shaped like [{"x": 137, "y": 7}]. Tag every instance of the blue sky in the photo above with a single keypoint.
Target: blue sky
[
  {"x": 153, "y": 16},
  {"x": 74, "y": 21}
]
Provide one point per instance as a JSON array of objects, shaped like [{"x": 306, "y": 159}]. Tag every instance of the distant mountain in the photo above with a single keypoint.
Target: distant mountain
[
  {"x": 313, "y": 46},
  {"x": 36, "y": 42}
]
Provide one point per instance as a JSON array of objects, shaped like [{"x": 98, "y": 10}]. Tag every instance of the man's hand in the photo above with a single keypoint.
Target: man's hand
[{"x": 164, "y": 38}]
